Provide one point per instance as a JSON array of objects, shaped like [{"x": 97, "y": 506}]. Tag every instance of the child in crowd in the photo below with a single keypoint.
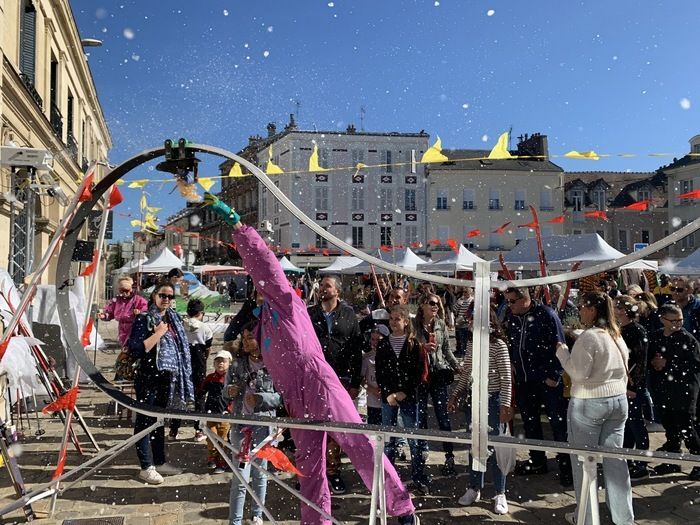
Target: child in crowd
[
  {"x": 212, "y": 389},
  {"x": 251, "y": 392},
  {"x": 399, "y": 366},
  {"x": 369, "y": 376}
]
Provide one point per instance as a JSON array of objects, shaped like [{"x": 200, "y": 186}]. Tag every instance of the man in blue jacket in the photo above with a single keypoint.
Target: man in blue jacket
[{"x": 533, "y": 331}]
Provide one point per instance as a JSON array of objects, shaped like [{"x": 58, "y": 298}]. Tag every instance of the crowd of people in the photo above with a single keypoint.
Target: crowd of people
[{"x": 599, "y": 367}]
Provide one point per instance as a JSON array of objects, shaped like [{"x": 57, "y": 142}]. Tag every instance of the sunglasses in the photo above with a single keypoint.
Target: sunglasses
[
  {"x": 433, "y": 303},
  {"x": 165, "y": 296},
  {"x": 124, "y": 290},
  {"x": 679, "y": 290},
  {"x": 672, "y": 320}
]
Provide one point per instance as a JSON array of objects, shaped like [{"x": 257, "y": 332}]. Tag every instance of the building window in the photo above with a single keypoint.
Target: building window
[
  {"x": 385, "y": 236},
  {"x": 519, "y": 200},
  {"x": 685, "y": 187},
  {"x": 385, "y": 199},
  {"x": 645, "y": 236},
  {"x": 600, "y": 200},
  {"x": 321, "y": 242},
  {"x": 442, "y": 200},
  {"x": 410, "y": 200},
  {"x": 623, "y": 244},
  {"x": 358, "y": 155},
  {"x": 263, "y": 203},
  {"x": 443, "y": 233},
  {"x": 322, "y": 198},
  {"x": 357, "y": 237},
  {"x": 577, "y": 200},
  {"x": 643, "y": 195},
  {"x": 388, "y": 162},
  {"x": 687, "y": 242},
  {"x": 410, "y": 234},
  {"x": 324, "y": 157},
  {"x": 358, "y": 198},
  {"x": 27, "y": 42},
  {"x": 468, "y": 200},
  {"x": 494, "y": 200},
  {"x": 546, "y": 200},
  {"x": 275, "y": 200}
]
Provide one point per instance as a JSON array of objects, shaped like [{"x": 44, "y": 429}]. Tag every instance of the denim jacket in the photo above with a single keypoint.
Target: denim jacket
[{"x": 267, "y": 400}]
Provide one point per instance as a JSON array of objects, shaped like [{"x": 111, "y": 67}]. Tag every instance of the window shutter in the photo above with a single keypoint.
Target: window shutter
[{"x": 27, "y": 43}]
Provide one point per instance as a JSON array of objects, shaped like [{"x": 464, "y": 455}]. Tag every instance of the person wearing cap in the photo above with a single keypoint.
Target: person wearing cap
[
  {"x": 250, "y": 391},
  {"x": 212, "y": 389},
  {"x": 308, "y": 384}
]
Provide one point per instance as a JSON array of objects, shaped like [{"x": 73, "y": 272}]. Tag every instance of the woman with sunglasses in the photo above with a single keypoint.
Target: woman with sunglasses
[
  {"x": 163, "y": 377},
  {"x": 431, "y": 333},
  {"x": 597, "y": 366}
]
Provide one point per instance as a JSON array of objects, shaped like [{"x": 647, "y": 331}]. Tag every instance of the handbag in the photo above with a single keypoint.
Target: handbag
[
  {"x": 442, "y": 376},
  {"x": 505, "y": 456},
  {"x": 125, "y": 366}
]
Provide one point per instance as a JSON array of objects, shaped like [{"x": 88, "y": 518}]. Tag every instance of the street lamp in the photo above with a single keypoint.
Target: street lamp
[{"x": 90, "y": 42}]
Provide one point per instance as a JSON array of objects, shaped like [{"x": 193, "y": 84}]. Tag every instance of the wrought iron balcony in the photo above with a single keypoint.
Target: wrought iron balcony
[
  {"x": 56, "y": 121},
  {"x": 29, "y": 84},
  {"x": 72, "y": 145}
]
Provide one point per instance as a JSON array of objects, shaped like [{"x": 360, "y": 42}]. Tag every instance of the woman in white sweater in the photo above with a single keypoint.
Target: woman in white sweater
[{"x": 597, "y": 365}]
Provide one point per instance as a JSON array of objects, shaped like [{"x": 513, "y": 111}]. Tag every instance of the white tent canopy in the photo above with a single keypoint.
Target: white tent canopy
[
  {"x": 287, "y": 266},
  {"x": 341, "y": 262},
  {"x": 132, "y": 266},
  {"x": 561, "y": 252},
  {"x": 403, "y": 257},
  {"x": 161, "y": 262},
  {"x": 688, "y": 266},
  {"x": 463, "y": 260}
]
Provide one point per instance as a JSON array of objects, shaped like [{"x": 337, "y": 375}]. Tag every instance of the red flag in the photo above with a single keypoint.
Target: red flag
[
  {"x": 90, "y": 268},
  {"x": 534, "y": 225},
  {"x": 557, "y": 220},
  {"x": 279, "y": 459},
  {"x": 86, "y": 195},
  {"x": 452, "y": 244},
  {"x": 85, "y": 339},
  {"x": 639, "y": 205},
  {"x": 596, "y": 215},
  {"x": 502, "y": 228},
  {"x": 435, "y": 242},
  {"x": 474, "y": 233},
  {"x": 65, "y": 402},
  {"x": 115, "y": 197},
  {"x": 3, "y": 347},
  {"x": 690, "y": 195},
  {"x": 325, "y": 252},
  {"x": 385, "y": 248}
]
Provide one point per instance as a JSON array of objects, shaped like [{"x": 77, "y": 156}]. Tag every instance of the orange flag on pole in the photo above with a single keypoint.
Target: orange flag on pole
[
  {"x": 474, "y": 233},
  {"x": 639, "y": 205},
  {"x": 86, "y": 194},
  {"x": 3, "y": 347},
  {"x": 690, "y": 195},
  {"x": 90, "y": 268},
  {"x": 279, "y": 459},
  {"x": 65, "y": 402},
  {"x": 596, "y": 215},
  {"x": 534, "y": 225},
  {"x": 115, "y": 197},
  {"x": 501, "y": 228},
  {"x": 453, "y": 244},
  {"x": 557, "y": 220},
  {"x": 85, "y": 338}
]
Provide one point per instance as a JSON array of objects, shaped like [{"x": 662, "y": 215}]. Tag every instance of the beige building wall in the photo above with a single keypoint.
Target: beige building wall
[
  {"x": 30, "y": 111},
  {"x": 683, "y": 177}
]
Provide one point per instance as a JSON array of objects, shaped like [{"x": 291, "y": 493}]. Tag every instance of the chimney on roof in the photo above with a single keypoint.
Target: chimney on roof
[
  {"x": 271, "y": 129},
  {"x": 535, "y": 146},
  {"x": 351, "y": 129},
  {"x": 292, "y": 123}
]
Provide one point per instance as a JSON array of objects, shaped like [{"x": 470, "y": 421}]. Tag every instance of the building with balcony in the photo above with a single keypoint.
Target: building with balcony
[
  {"x": 470, "y": 193},
  {"x": 48, "y": 101}
]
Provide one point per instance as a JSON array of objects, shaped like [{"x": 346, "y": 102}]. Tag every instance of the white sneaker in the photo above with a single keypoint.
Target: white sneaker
[
  {"x": 150, "y": 475},
  {"x": 257, "y": 520},
  {"x": 500, "y": 504},
  {"x": 469, "y": 497}
]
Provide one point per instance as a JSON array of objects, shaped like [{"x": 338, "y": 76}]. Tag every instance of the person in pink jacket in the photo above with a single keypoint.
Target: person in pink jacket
[
  {"x": 309, "y": 386},
  {"x": 124, "y": 308}
]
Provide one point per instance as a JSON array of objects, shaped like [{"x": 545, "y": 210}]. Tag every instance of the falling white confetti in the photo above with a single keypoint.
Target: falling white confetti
[
  {"x": 436, "y": 4},
  {"x": 135, "y": 58},
  {"x": 484, "y": 138},
  {"x": 490, "y": 12},
  {"x": 676, "y": 222},
  {"x": 266, "y": 54},
  {"x": 270, "y": 29},
  {"x": 465, "y": 106},
  {"x": 225, "y": 12},
  {"x": 685, "y": 103},
  {"x": 331, "y": 4},
  {"x": 129, "y": 33}
]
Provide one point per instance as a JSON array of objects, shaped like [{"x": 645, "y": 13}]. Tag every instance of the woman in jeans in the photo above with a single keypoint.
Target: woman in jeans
[
  {"x": 597, "y": 365},
  {"x": 431, "y": 333},
  {"x": 163, "y": 377}
]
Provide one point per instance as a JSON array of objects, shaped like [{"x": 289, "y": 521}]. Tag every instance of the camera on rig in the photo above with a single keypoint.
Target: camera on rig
[{"x": 179, "y": 160}]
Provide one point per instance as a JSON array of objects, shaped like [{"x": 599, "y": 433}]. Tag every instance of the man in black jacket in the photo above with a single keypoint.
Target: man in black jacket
[{"x": 339, "y": 333}]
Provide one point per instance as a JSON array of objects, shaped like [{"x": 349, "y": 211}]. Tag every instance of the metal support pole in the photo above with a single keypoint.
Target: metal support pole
[
  {"x": 378, "y": 499},
  {"x": 589, "y": 490},
  {"x": 480, "y": 367}
]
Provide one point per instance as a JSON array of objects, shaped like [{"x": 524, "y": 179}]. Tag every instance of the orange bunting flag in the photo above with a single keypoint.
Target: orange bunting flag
[
  {"x": 87, "y": 332},
  {"x": 639, "y": 205},
  {"x": 325, "y": 252},
  {"x": 90, "y": 268},
  {"x": 690, "y": 195},
  {"x": 557, "y": 220},
  {"x": 279, "y": 459},
  {"x": 65, "y": 402},
  {"x": 86, "y": 195},
  {"x": 115, "y": 197},
  {"x": 385, "y": 248},
  {"x": 434, "y": 242},
  {"x": 453, "y": 244},
  {"x": 501, "y": 229},
  {"x": 534, "y": 225},
  {"x": 596, "y": 215},
  {"x": 3, "y": 348},
  {"x": 474, "y": 233}
]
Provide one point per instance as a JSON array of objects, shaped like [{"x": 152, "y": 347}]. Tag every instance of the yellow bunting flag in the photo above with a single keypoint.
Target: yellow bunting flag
[
  {"x": 434, "y": 153},
  {"x": 138, "y": 183},
  {"x": 143, "y": 204},
  {"x": 358, "y": 167},
  {"x": 206, "y": 183},
  {"x": 152, "y": 209},
  {"x": 136, "y": 223},
  {"x": 119, "y": 182},
  {"x": 236, "y": 170},
  {"x": 150, "y": 222},
  {"x": 313, "y": 161},
  {"x": 500, "y": 150},
  {"x": 585, "y": 155},
  {"x": 272, "y": 168}
]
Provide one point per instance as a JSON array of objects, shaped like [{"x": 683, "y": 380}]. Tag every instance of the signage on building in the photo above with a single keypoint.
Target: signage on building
[
  {"x": 321, "y": 177},
  {"x": 358, "y": 216},
  {"x": 94, "y": 220},
  {"x": 386, "y": 217},
  {"x": 386, "y": 179},
  {"x": 411, "y": 179},
  {"x": 321, "y": 216},
  {"x": 412, "y": 217},
  {"x": 358, "y": 179},
  {"x": 639, "y": 246}
]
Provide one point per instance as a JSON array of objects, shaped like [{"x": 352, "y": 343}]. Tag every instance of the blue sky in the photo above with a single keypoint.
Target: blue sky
[{"x": 614, "y": 77}]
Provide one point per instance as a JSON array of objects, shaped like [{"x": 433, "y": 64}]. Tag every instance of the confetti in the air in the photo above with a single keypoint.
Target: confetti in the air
[
  {"x": 129, "y": 33},
  {"x": 331, "y": 4},
  {"x": 465, "y": 106},
  {"x": 225, "y": 12},
  {"x": 484, "y": 138},
  {"x": 490, "y": 12},
  {"x": 266, "y": 54},
  {"x": 685, "y": 103}
]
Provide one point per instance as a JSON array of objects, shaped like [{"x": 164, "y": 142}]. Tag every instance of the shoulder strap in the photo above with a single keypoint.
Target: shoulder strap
[{"x": 622, "y": 355}]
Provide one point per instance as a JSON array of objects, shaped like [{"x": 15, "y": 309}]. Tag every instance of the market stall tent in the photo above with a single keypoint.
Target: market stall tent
[
  {"x": 162, "y": 262},
  {"x": 403, "y": 257},
  {"x": 288, "y": 267},
  {"x": 342, "y": 262},
  {"x": 688, "y": 266},
  {"x": 463, "y": 260}
]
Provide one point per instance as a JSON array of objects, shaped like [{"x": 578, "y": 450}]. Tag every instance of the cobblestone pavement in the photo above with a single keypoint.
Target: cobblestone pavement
[{"x": 197, "y": 496}]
